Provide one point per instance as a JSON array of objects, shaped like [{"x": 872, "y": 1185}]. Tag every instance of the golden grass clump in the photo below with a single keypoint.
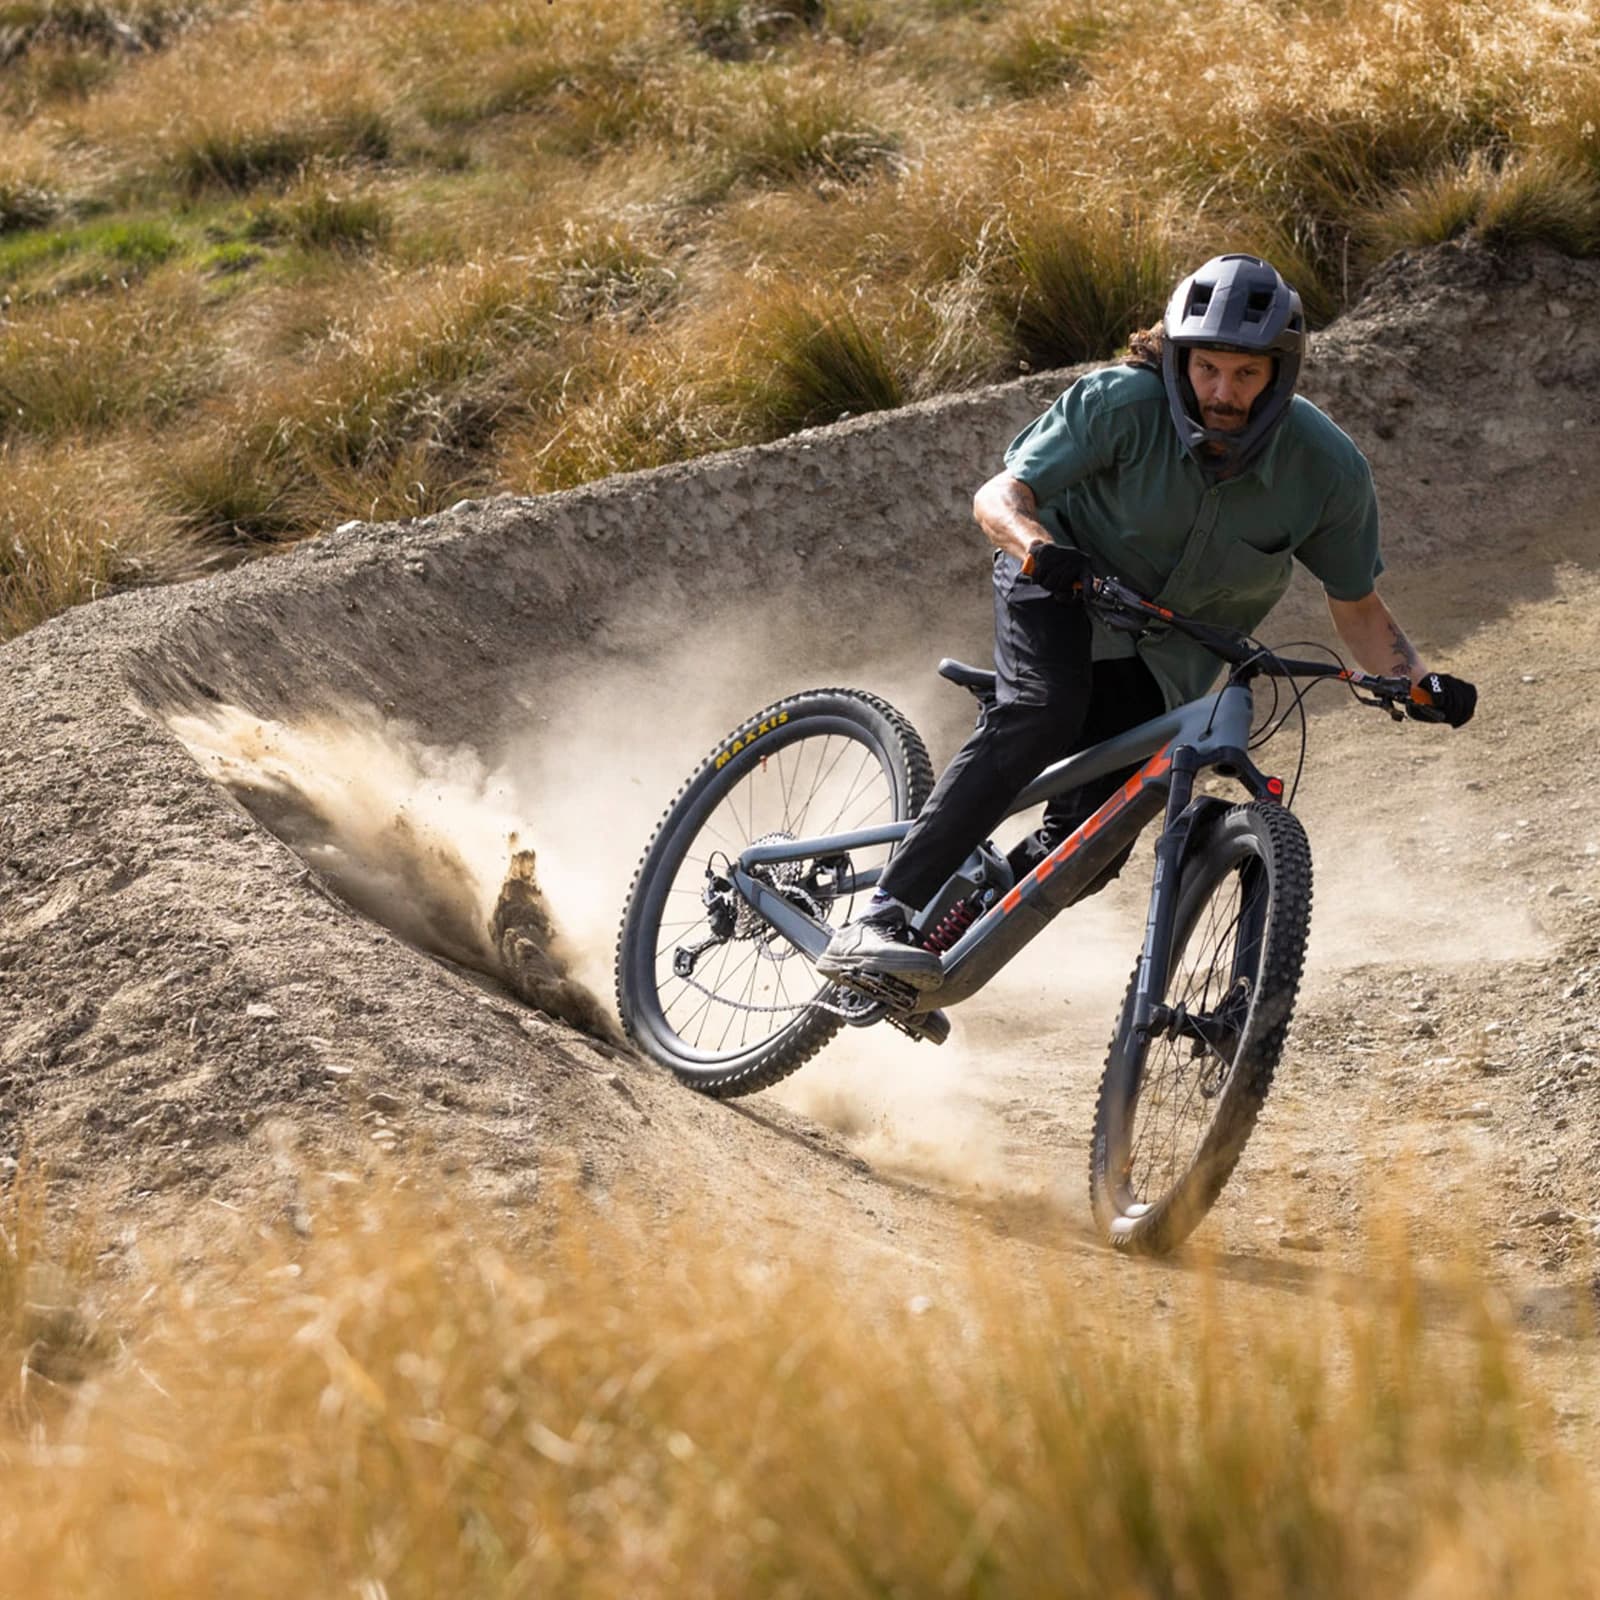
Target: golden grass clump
[
  {"x": 810, "y": 361},
  {"x": 411, "y": 1404},
  {"x": 33, "y": 182},
  {"x": 416, "y": 382},
  {"x": 46, "y": 1337},
  {"x": 82, "y": 366},
  {"x": 253, "y": 100},
  {"x": 624, "y": 410},
  {"x": 1084, "y": 281},
  {"x": 73, "y": 527},
  {"x": 1044, "y": 47}
]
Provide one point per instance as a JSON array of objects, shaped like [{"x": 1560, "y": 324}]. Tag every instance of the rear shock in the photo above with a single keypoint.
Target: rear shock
[{"x": 953, "y": 924}]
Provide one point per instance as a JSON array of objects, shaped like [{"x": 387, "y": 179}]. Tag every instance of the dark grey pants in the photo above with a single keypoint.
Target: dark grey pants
[{"x": 1052, "y": 701}]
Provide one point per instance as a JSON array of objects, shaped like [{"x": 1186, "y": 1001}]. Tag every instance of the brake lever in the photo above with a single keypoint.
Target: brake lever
[{"x": 1112, "y": 605}]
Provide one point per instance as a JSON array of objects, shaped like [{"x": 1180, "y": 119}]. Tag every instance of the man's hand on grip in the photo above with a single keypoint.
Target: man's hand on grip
[
  {"x": 1061, "y": 569},
  {"x": 1437, "y": 697}
]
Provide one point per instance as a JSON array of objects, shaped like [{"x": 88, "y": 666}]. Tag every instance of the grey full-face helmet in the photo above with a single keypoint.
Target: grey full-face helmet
[{"x": 1240, "y": 304}]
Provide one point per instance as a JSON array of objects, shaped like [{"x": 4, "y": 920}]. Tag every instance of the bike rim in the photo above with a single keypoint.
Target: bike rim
[
  {"x": 1183, "y": 1082},
  {"x": 756, "y": 985}
]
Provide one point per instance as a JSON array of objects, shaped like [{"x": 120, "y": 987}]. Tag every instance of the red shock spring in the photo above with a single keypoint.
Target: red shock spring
[{"x": 955, "y": 922}]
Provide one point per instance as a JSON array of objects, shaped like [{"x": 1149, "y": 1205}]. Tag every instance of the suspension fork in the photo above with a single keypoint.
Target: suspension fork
[{"x": 1155, "y": 960}]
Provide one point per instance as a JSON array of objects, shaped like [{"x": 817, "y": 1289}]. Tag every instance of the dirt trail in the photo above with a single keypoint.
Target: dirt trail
[{"x": 189, "y": 1011}]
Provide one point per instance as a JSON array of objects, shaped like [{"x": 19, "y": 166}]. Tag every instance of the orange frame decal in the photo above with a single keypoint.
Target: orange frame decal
[{"x": 1156, "y": 767}]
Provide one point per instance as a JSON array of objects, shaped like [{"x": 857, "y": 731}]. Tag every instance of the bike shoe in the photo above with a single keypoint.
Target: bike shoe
[{"x": 880, "y": 949}]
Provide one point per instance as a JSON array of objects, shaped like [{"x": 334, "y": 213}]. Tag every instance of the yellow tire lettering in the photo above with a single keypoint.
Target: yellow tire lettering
[{"x": 725, "y": 756}]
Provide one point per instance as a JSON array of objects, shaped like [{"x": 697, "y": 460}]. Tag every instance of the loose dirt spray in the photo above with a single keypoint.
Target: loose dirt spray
[{"x": 426, "y": 840}]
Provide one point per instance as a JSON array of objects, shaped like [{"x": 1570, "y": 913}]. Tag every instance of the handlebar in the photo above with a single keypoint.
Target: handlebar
[{"x": 1125, "y": 609}]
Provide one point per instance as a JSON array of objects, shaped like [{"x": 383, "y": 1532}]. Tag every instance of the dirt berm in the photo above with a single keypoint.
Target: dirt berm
[{"x": 184, "y": 1004}]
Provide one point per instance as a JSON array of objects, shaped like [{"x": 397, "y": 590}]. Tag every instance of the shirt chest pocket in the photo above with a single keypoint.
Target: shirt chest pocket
[
  {"x": 1237, "y": 580},
  {"x": 1269, "y": 540}
]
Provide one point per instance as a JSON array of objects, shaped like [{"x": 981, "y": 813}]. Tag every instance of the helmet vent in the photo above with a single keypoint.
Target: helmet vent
[{"x": 1258, "y": 305}]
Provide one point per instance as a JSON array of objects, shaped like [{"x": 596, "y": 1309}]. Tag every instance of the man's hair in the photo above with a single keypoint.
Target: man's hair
[{"x": 1144, "y": 348}]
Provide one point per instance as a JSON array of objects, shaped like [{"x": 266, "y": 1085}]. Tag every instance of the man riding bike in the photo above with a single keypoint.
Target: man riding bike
[{"x": 1196, "y": 475}]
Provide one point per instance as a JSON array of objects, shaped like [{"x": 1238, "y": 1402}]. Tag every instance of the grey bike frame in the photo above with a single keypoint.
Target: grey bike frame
[{"x": 1213, "y": 732}]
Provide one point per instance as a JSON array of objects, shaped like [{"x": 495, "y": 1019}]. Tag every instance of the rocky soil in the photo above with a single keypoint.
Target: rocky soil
[{"x": 190, "y": 1013}]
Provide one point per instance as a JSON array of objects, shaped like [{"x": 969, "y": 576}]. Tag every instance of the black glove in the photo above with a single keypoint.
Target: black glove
[
  {"x": 1060, "y": 568},
  {"x": 1446, "y": 699}
]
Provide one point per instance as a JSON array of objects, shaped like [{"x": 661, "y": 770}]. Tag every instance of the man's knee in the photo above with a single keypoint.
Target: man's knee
[{"x": 1025, "y": 739}]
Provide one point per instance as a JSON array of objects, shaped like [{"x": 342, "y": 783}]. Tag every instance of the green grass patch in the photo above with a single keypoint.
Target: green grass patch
[{"x": 64, "y": 260}]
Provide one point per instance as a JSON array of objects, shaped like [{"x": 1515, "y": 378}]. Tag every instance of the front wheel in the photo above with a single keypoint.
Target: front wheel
[
  {"x": 1175, "y": 1110},
  {"x": 705, "y": 985}
]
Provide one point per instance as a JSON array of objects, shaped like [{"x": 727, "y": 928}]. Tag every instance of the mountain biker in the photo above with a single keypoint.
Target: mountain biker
[{"x": 1193, "y": 473}]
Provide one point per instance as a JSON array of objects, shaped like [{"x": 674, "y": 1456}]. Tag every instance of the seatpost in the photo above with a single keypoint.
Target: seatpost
[{"x": 1157, "y": 955}]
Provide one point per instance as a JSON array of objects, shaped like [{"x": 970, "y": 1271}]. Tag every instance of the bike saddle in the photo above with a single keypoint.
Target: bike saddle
[{"x": 981, "y": 683}]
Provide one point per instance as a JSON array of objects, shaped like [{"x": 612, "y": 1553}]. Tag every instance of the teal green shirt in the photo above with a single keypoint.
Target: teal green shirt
[{"x": 1112, "y": 478}]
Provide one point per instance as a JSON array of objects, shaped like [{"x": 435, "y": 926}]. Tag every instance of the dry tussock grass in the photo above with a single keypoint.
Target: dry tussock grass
[
  {"x": 82, "y": 366},
  {"x": 983, "y": 186},
  {"x": 410, "y": 1403},
  {"x": 76, "y": 525}
]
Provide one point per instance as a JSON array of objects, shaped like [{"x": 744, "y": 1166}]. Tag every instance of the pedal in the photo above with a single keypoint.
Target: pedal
[
  {"x": 900, "y": 998},
  {"x": 934, "y": 1026}
]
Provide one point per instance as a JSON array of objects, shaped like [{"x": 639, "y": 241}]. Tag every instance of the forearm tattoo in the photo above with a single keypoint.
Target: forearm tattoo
[{"x": 1406, "y": 659}]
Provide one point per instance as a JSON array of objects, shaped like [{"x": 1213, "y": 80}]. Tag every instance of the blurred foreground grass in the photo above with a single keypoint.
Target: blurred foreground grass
[
  {"x": 410, "y": 1403},
  {"x": 266, "y": 265}
]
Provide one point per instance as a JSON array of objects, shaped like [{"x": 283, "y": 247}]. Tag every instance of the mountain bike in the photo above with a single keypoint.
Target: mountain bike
[{"x": 791, "y": 818}]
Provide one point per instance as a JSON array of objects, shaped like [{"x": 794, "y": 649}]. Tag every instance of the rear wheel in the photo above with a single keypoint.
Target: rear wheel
[
  {"x": 705, "y": 985},
  {"x": 1175, "y": 1111}
]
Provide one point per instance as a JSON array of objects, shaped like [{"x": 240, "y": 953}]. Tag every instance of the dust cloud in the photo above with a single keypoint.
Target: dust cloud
[{"x": 428, "y": 841}]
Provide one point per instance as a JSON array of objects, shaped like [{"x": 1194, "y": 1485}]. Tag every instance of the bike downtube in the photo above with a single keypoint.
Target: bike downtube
[
  {"x": 1156, "y": 959},
  {"x": 1030, "y": 905}
]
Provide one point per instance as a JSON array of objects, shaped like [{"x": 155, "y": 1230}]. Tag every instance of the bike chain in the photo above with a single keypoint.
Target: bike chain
[{"x": 816, "y": 1003}]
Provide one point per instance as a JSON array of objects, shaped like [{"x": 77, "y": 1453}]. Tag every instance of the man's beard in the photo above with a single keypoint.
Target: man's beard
[{"x": 1228, "y": 420}]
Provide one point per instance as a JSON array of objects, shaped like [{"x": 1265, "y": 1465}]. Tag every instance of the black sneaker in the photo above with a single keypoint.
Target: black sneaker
[{"x": 880, "y": 946}]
